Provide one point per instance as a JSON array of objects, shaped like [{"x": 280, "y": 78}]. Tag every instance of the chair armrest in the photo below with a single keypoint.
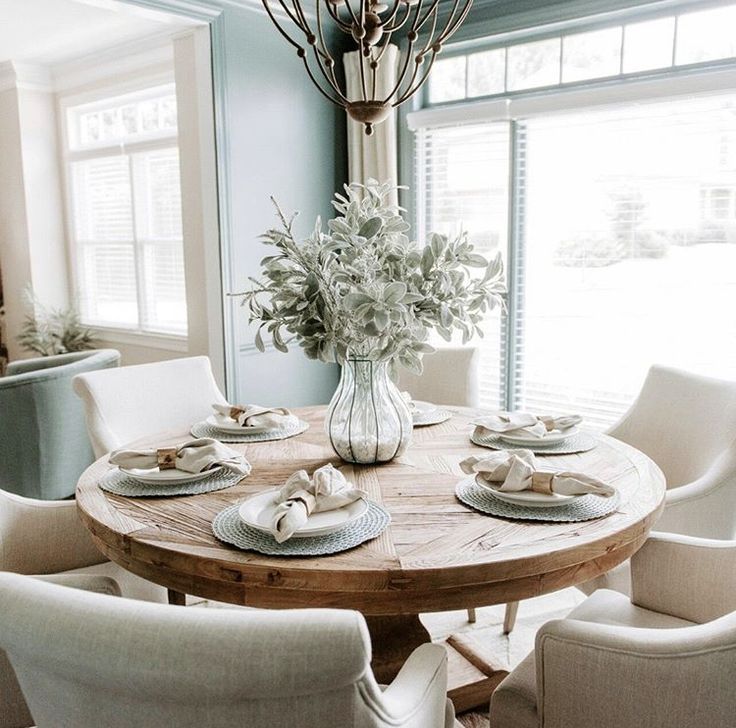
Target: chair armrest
[
  {"x": 84, "y": 582},
  {"x": 610, "y": 676},
  {"x": 43, "y": 537},
  {"x": 687, "y": 577},
  {"x": 707, "y": 506},
  {"x": 417, "y": 696}
]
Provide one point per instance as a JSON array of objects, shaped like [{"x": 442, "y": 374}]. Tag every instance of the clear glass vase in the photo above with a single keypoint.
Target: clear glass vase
[{"x": 368, "y": 420}]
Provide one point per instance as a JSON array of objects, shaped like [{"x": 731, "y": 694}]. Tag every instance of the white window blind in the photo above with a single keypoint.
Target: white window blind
[
  {"x": 623, "y": 253},
  {"x": 464, "y": 177},
  {"x": 125, "y": 203}
]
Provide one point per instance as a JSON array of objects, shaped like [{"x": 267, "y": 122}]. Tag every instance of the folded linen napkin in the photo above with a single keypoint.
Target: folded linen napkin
[
  {"x": 409, "y": 401},
  {"x": 194, "y": 456},
  {"x": 299, "y": 496},
  {"x": 525, "y": 423},
  {"x": 515, "y": 471},
  {"x": 253, "y": 415}
]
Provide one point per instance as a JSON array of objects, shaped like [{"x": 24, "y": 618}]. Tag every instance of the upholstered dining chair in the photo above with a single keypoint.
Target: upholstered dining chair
[
  {"x": 687, "y": 424},
  {"x": 135, "y": 401},
  {"x": 44, "y": 446},
  {"x": 450, "y": 377},
  {"x": 666, "y": 657},
  {"x": 14, "y": 712},
  {"x": 87, "y": 660},
  {"x": 47, "y": 537}
]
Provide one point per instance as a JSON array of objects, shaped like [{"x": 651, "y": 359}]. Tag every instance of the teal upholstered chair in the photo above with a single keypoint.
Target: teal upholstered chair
[{"x": 44, "y": 446}]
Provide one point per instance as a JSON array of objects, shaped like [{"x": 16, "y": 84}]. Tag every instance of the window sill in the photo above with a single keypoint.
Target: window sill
[{"x": 168, "y": 342}]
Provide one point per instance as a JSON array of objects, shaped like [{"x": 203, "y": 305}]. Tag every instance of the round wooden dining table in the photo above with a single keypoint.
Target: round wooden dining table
[{"x": 436, "y": 555}]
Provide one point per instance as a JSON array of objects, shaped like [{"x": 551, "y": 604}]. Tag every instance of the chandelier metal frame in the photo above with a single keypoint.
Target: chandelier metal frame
[{"x": 371, "y": 24}]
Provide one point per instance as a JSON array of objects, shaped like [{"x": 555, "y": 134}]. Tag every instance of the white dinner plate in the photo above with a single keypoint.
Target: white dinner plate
[
  {"x": 424, "y": 408},
  {"x": 171, "y": 476},
  {"x": 258, "y": 512},
  {"x": 551, "y": 438},
  {"x": 226, "y": 424},
  {"x": 529, "y": 498}
]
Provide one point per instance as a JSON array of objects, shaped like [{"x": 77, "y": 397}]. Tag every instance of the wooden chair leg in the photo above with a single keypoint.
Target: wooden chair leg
[
  {"x": 177, "y": 598},
  {"x": 509, "y": 619},
  {"x": 471, "y": 615}
]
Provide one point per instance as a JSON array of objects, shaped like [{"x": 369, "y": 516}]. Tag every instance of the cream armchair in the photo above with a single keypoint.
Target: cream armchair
[
  {"x": 14, "y": 712},
  {"x": 665, "y": 658},
  {"x": 687, "y": 424},
  {"x": 126, "y": 404},
  {"x": 47, "y": 537},
  {"x": 87, "y": 660}
]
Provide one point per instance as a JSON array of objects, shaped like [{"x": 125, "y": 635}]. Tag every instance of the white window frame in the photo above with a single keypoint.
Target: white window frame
[{"x": 135, "y": 336}]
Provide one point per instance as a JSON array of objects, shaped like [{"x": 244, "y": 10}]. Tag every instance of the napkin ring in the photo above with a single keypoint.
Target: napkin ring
[
  {"x": 166, "y": 457},
  {"x": 542, "y": 482}
]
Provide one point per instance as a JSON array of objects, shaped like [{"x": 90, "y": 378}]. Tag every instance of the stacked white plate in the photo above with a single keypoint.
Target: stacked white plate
[
  {"x": 171, "y": 476},
  {"x": 226, "y": 424},
  {"x": 258, "y": 512},
  {"x": 528, "y": 498},
  {"x": 426, "y": 413},
  {"x": 550, "y": 438}
]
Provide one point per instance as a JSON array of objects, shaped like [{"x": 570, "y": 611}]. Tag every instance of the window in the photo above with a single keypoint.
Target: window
[
  {"x": 623, "y": 252},
  {"x": 687, "y": 38},
  {"x": 125, "y": 209}
]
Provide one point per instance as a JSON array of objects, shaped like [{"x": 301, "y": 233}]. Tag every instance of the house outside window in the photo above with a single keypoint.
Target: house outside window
[{"x": 611, "y": 196}]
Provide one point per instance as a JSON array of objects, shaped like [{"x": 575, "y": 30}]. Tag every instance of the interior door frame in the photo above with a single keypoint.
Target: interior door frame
[{"x": 212, "y": 13}]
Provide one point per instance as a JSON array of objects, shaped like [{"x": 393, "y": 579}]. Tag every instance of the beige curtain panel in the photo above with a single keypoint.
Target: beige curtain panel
[{"x": 373, "y": 156}]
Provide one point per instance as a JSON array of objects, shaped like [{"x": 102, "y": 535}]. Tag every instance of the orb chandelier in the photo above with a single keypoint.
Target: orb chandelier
[{"x": 371, "y": 24}]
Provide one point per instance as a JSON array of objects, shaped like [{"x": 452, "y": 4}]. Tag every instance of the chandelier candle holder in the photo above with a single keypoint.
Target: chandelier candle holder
[
  {"x": 371, "y": 25},
  {"x": 363, "y": 295}
]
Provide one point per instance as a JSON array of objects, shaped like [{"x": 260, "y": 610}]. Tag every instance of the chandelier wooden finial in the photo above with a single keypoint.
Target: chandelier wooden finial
[{"x": 371, "y": 24}]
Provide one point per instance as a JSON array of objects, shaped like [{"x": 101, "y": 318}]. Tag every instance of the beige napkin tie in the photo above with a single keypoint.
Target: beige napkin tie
[
  {"x": 253, "y": 415},
  {"x": 516, "y": 471},
  {"x": 524, "y": 423},
  {"x": 194, "y": 456},
  {"x": 299, "y": 496}
]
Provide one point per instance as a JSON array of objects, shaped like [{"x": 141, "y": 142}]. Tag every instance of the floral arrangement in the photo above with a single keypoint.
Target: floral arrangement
[{"x": 363, "y": 290}]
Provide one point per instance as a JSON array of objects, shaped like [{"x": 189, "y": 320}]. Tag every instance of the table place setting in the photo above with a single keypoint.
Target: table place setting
[
  {"x": 424, "y": 414},
  {"x": 544, "y": 435},
  {"x": 510, "y": 484},
  {"x": 249, "y": 423},
  {"x": 324, "y": 514},
  {"x": 190, "y": 468}
]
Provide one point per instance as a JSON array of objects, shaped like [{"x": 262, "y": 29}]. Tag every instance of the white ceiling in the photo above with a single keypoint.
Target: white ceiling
[{"x": 48, "y": 32}]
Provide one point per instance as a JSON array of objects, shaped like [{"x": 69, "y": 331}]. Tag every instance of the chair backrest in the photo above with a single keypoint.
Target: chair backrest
[
  {"x": 682, "y": 421},
  {"x": 136, "y": 401},
  {"x": 450, "y": 377},
  {"x": 85, "y": 660},
  {"x": 44, "y": 446}
]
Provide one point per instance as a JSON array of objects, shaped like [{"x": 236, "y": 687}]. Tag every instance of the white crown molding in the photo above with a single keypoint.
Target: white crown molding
[
  {"x": 25, "y": 76},
  {"x": 116, "y": 61}
]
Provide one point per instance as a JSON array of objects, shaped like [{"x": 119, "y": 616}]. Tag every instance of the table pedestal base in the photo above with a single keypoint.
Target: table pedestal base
[{"x": 471, "y": 677}]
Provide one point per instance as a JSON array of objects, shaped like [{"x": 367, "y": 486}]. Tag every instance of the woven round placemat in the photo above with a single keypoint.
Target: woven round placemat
[
  {"x": 433, "y": 417},
  {"x": 229, "y": 527},
  {"x": 585, "y": 508},
  {"x": 204, "y": 429},
  {"x": 115, "y": 481},
  {"x": 582, "y": 442}
]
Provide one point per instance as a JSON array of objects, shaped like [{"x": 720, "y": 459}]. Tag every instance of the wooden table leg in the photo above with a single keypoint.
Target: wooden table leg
[
  {"x": 472, "y": 676},
  {"x": 177, "y": 598},
  {"x": 393, "y": 639}
]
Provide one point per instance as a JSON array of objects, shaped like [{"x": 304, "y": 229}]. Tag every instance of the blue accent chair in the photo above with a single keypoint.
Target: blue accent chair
[{"x": 44, "y": 446}]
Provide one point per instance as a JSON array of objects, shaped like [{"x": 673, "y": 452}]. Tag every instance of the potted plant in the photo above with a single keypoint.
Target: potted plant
[{"x": 363, "y": 295}]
